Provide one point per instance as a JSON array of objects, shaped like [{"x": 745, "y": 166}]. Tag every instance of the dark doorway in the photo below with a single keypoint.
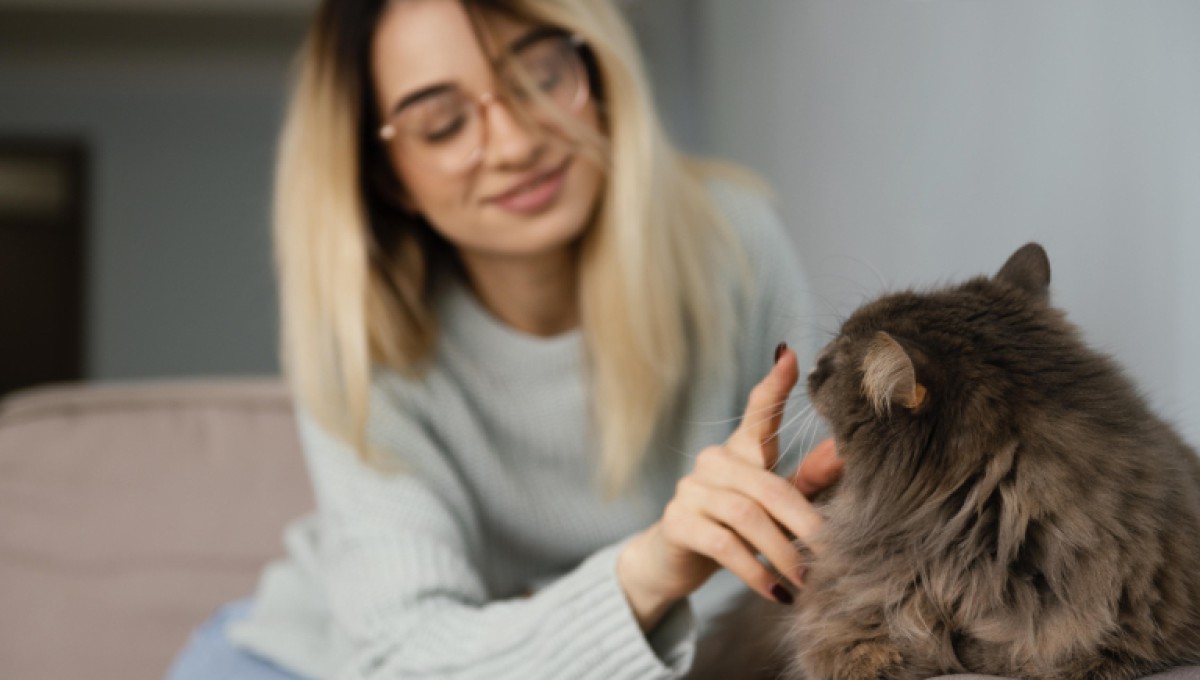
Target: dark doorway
[{"x": 42, "y": 214}]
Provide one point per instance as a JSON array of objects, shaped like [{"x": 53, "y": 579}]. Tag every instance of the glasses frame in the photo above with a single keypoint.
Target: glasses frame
[{"x": 389, "y": 133}]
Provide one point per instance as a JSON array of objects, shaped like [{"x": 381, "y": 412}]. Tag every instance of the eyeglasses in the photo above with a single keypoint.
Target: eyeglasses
[{"x": 445, "y": 128}]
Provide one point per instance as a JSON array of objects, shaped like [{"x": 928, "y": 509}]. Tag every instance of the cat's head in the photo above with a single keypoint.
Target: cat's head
[{"x": 921, "y": 370}]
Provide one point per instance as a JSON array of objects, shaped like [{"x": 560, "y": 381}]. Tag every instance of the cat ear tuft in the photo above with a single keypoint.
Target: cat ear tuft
[
  {"x": 1029, "y": 270},
  {"x": 890, "y": 377}
]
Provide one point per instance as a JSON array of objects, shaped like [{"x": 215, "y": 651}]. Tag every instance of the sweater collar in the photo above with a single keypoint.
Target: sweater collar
[{"x": 469, "y": 327}]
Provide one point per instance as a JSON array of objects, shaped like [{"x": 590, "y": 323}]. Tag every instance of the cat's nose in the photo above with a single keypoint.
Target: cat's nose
[{"x": 821, "y": 369}]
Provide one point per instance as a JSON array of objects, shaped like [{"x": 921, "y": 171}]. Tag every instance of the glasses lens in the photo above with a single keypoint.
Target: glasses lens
[
  {"x": 549, "y": 71},
  {"x": 442, "y": 130}
]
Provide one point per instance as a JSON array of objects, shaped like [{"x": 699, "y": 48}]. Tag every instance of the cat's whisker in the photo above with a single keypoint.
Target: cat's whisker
[
  {"x": 813, "y": 435},
  {"x": 773, "y": 408},
  {"x": 810, "y": 423},
  {"x": 859, "y": 263},
  {"x": 883, "y": 283},
  {"x": 810, "y": 433},
  {"x": 834, "y": 312},
  {"x": 802, "y": 437},
  {"x": 796, "y": 416},
  {"x": 807, "y": 413},
  {"x": 776, "y": 408},
  {"x": 784, "y": 451}
]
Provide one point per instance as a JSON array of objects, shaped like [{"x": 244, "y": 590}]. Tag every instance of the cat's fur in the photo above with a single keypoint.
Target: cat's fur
[{"x": 1010, "y": 505}]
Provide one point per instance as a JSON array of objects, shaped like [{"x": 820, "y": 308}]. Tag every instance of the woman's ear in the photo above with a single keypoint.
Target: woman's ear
[
  {"x": 402, "y": 200},
  {"x": 391, "y": 189}
]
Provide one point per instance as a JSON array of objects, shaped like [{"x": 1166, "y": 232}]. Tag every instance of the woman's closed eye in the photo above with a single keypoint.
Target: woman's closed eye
[
  {"x": 440, "y": 118},
  {"x": 445, "y": 130},
  {"x": 545, "y": 75},
  {"x": 544, "y": 64}
]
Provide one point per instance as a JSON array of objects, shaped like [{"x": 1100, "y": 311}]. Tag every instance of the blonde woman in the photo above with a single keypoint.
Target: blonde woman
[{"x": 516, "y": 323}]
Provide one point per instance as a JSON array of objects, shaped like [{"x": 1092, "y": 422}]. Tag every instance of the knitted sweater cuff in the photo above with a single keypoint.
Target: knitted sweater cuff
[{"x": 616, "y": 646}]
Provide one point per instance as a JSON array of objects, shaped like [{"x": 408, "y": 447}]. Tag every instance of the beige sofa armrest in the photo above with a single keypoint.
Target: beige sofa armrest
[{"x": 129, "y": 512}]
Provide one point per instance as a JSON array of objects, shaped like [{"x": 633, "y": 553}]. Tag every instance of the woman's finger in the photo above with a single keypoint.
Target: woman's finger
[
  {"x": 777, "y": 496},
  {"x": 819, "y": 469},
  {"x": 755, "y": 438},
  {"x": 723, "y": 546},
  {"x": 747, "y": 519}
]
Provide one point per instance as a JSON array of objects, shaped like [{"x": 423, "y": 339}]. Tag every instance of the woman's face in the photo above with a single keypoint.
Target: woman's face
[{"x": 526, "y": 192}]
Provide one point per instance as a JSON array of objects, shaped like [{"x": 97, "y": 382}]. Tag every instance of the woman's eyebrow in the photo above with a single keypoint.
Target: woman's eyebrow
[
  {"x": 418, "y": 95},
  {"x": 516, "y": 45},
  {"x": 532, "y": 35}
]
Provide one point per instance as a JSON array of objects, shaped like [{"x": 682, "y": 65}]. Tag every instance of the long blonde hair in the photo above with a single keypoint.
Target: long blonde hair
[{"x": 655, "y": 297}]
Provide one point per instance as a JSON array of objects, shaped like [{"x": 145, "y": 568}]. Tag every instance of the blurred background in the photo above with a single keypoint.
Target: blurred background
[{"x": 910, "y": 142}]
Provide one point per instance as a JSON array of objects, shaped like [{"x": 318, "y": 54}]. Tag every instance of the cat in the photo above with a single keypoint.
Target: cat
[{"x": 1010, "y": 506}]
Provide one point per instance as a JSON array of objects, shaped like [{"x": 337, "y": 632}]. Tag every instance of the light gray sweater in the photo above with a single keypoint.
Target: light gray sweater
[{"x": 494, "y": 555}]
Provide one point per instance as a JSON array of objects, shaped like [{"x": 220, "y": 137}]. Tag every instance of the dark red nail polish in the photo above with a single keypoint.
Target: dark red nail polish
[
  {"x": 779, "y": 350},
  {"x": 781, "y": 594}
]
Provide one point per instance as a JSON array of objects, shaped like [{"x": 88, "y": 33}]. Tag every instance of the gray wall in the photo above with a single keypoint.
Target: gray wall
[
  {"x": 917, "y": 142},
  {"x": 671, "y": 34},
  {"x": 181, "y": 113}
]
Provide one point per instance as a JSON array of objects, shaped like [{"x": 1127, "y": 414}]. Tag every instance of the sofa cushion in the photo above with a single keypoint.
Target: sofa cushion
[{"x": 128, "y": 513}]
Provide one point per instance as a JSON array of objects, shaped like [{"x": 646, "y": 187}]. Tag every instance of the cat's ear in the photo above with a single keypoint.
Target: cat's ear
[
  {"x": 890, "y": 377},
  {"x": 1029, "y": 270}
]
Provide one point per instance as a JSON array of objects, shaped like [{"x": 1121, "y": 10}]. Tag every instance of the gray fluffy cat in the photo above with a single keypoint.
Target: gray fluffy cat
[{"x": 1010, "y": 506}]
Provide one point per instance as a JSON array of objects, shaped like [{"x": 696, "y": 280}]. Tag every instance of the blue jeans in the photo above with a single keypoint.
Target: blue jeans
[{"x": 209, "y": 654}]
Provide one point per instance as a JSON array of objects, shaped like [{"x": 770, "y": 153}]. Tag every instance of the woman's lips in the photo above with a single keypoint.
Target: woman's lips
[{"x": 537, "y": 195}]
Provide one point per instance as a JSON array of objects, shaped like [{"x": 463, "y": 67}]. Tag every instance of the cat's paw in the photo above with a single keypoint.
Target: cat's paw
[{"x": 870, "y": 661}]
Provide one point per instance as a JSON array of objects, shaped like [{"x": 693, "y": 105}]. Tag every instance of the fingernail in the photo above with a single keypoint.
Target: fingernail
[
  {"x": 781, "y": 594},
  {"x": 779, "y": 350}
]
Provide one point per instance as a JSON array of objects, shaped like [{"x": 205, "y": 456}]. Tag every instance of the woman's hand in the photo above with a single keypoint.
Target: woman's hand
[{"x": 730, "y": 507}]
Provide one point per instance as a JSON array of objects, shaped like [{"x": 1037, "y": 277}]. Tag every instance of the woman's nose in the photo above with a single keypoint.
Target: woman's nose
[{"x": 511, "y": 141}]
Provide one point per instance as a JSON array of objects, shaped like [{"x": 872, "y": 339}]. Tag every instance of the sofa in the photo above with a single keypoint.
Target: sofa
[{"x": 130, "y": 512}]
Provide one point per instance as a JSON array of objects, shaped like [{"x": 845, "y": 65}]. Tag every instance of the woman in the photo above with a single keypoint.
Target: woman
[{"x": 516, "y": 322}]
